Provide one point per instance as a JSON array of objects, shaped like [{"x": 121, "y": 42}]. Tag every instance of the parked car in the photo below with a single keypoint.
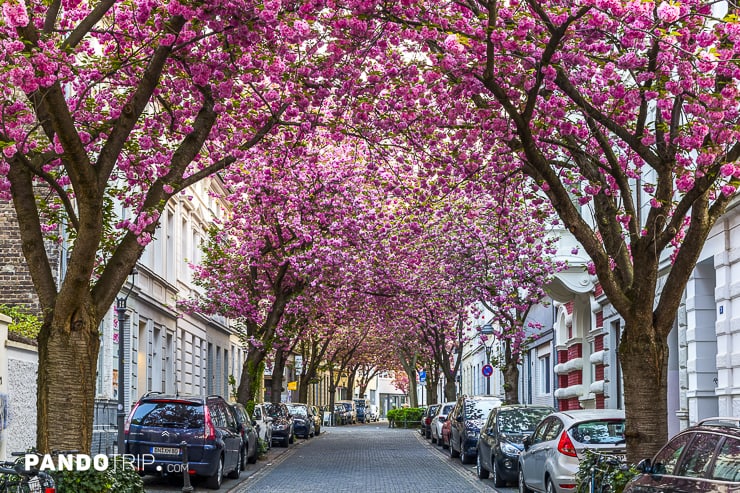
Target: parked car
[
  {"x": 551, "y": 454},
  {"x": 318, "y": 417},
  {"x": 350, "y": 412},
  {"x": 500, "y": 440},
  {"x": 361, "y": 414},
  {"x": 262, "y": 424},
  {"x": 466, "y": 420},
  {"x": 339, "y": 414},
  {"x": 426, "y": 420},
  {"x": 704, "y": 457},
  {"x": 303, "y": 423},
  {"x": 282, "y": 423},
  {"x": 438, "y": 420},
  {"x": 249, "y": 435},
  {"x": 372, "y": 413},
  {"x": 446, "y": 431},
  {"x": 158, "y": 423}
]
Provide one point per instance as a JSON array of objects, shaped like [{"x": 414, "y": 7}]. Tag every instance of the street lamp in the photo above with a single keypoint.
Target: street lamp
[
  {"x": 487, "y": 330},
  {"x": 121, "y": 313}
]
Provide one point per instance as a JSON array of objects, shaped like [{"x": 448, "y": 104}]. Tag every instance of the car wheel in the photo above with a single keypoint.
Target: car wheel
[
  {"x": 244, "y": 457},
  {"x": 522, "y": 486},
  {"x": 464, "y": 456},
  {"x": 479, "y": 469},
  {"x": 434, "y": 440},
  {"x": 453, "y": 453},
  {"x": 238, "y": 468},
  {"x": 214, "y": 482},
  {"x": 549, "y": 487},
  {"x": 497, "y": 481},
  {"x": 252, "y": 459},
  {"x": 291, "y": 439}
]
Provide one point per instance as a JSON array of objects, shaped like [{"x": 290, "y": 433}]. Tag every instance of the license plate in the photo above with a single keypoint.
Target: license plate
[{"x": 166, "y": 450}]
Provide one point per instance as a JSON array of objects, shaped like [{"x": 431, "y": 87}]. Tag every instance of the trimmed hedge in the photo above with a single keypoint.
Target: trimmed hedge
[{"x": 406, "y": 417}]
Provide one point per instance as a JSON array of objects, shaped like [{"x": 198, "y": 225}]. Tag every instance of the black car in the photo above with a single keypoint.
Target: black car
[
  {"x": 282, "y": 423},
  {"x": 158, "y": 423},
  {"x": 705, "y": 457},
  {"x": 303, "y": 422},
  {"x": 249, "y": 435},
  {"x": 500, "y": 440},
  {"x": 426, "y": 420},
  {"x": 466, "y": 420}
]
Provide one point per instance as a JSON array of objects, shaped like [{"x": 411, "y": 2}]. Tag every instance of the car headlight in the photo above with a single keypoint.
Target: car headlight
[
  {"x": 280, "y": 427},
  {"x": 509, "y": 449}
]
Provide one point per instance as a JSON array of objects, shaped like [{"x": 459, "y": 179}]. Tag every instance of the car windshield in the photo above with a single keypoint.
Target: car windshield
[
  {"x": 169, "y": 414},
  {"x": 603, "y": 431},
  {"x": 446, "y": 410},
  {"x": 276, "y": 410},
  {"x": 298, "y": 411},
  {"x": 347, "y": 406},
  {"x": 520, "y": 420},
  {"x": 479, "y": 409}
]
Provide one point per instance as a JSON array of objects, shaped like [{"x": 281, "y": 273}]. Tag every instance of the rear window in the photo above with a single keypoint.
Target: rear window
[
  {"x": 169, "y": 414},
  {"x": 298, "y": 411},
  {"x": 599, "y": 432}
]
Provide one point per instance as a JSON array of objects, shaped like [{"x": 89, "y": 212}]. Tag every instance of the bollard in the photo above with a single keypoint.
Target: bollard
[{"x": 186, "y": 487}]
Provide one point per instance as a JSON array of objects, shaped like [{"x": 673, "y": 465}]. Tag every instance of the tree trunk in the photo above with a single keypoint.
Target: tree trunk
[
  {"x": 432, "y": 381},
  {"x": 303, "y": 382},
  {"x": 276, "y": 385},
  {"x": 450, "y": 390},
  {"x": 252, "y": 372},
  {"x": 68, "y": 360},
  {"x": 351, "y": 384},
  {"x": 511, "y": 383},
  {"x": 644, "y": 358}
]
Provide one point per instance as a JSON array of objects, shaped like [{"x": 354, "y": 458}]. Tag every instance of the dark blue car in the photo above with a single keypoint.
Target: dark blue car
[{"x": 158, "y": 423}]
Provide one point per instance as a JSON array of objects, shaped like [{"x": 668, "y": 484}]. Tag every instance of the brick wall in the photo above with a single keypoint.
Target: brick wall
[{"x": 15, "y": 278}]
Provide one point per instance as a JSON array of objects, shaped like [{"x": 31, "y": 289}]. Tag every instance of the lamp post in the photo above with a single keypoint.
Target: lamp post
[
  {"x": 487, "y": 330},
  {"x": 121, "y": 314}
]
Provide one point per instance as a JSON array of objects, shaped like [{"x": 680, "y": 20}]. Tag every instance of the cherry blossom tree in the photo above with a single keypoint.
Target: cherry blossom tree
[
  {"x": 624, "y": 113},
  {"x": 124, "y": 104}
]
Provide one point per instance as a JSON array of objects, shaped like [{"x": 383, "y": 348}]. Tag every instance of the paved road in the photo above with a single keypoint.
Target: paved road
[{"x": 369, "y": 458}]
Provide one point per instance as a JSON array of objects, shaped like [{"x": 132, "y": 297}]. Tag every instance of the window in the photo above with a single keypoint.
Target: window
[
  {"x": 554, "y": 430},
  {"x": 545, "y": 385},
  {"x": 667, "y": 458},
  {"x": 539, "y": 433},
  {"x": 727, "y": 464},
  {"x": 697, "y": 459}
]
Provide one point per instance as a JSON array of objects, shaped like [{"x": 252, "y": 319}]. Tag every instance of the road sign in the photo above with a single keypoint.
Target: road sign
[
  {"x": 487, "y": 370},
  {"x": 423, "y": 376}
]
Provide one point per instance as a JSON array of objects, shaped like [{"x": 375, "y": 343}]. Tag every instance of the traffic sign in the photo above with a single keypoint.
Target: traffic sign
[
  {"x": 423, "y": 376},
  {"x": 487, "y": 370}
]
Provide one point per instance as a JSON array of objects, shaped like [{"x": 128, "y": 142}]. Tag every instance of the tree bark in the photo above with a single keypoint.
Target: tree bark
[
  {"x": 251, "y": 379},
  {"x": 68, "y": 359},
  {"x": 644, "y": 358},
  {"x": 511, "y": 383},
  {"x": 276, "y": 384}
]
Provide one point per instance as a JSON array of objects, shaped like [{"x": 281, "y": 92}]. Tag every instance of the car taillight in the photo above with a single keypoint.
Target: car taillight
[
  {"x": 50, "y": 490},
  {"x": 127, "y": 424},
  {"x": 428, "y": 421},
  {"x": 565, "y": 445},
  {"x": 210, "y": 429}
]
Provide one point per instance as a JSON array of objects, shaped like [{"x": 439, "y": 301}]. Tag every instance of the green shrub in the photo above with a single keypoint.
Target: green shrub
[
  {"x": 406, "y": 417},
  {"x": 120, "y": 477},
  {"x": 23, "y": 323}
]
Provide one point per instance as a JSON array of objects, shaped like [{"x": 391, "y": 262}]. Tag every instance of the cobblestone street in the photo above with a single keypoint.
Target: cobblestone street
[{"x": 370, "y": 458}]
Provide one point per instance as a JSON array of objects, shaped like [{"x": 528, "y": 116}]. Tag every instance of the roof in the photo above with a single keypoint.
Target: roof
[{"x": 588, "y": 414}]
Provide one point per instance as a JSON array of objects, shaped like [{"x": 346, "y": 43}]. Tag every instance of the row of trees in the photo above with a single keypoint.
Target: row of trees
[{"x": 622, "y": 114}]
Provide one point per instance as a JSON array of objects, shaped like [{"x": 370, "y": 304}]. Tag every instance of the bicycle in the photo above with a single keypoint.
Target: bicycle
[
  {"x": 15, "y": 479},
  {"x": 596, "y": 471}
]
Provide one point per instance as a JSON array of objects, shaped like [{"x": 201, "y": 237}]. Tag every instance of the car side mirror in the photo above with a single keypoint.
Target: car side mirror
[
  {"x": 645, "y": 466},
  {"x": 254, "y": 422},
  {"x": 442, "y": 419},
  {"x": 527, "y": 441}
]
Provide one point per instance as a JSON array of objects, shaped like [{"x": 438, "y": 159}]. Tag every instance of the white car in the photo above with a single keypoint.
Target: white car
[
  {"x": 439, "y": 419},
  {"x": 262, "y": 423}
]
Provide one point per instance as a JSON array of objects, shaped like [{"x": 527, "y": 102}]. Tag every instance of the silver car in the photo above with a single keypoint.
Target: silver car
[
  {"x": 551, "y": 454},
  {"x": 439, "y": 419}
]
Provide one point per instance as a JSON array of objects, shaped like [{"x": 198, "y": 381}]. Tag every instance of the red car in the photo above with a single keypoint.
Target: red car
[{"x": 446, "y": 430}]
